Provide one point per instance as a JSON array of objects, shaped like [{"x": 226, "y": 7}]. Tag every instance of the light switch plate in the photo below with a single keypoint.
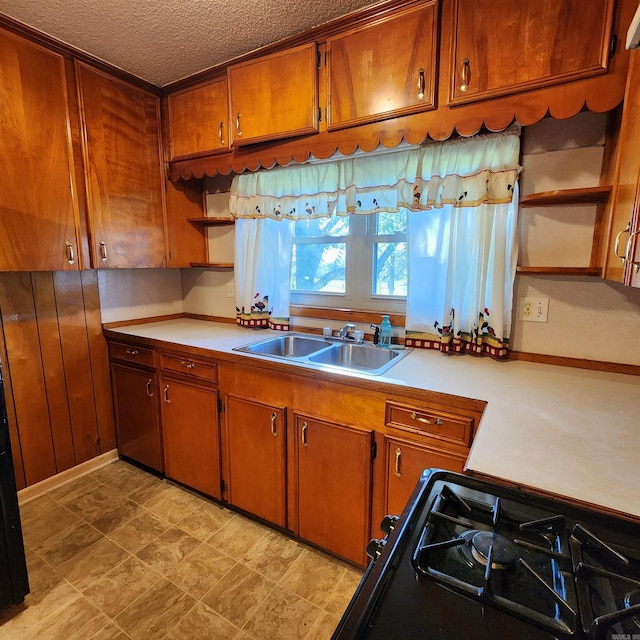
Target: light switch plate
[{"x": 534, "y": 309}]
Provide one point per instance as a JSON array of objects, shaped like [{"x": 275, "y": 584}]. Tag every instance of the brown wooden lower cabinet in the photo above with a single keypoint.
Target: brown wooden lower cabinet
[
  {"x": 405, "y": 462},
  {"x": 333, "y": 469},
  {"x": 255, "y": 437},
  {"x": 190, "y": 434},
  {"x": 135, "y": 393}
]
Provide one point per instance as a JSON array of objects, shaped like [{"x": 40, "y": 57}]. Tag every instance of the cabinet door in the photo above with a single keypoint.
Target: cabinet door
[
  {"x": 334, "y": 486},
  {"x": 190, "y": 434},
  {"x": 256, "y": 446},
  {"x": 274, "y": 96},
  {"x": 623, "y": 253},
  {"x": 198, "y": 119},
  {"x": 123, "y": 172},
  {"x": 135, "y": 392},
  {"x": 37, "y": 208},
  {"x": 505, "y": 46},
  {"x": 383, "y": 70},
  {"x": 405, "y": 462}
]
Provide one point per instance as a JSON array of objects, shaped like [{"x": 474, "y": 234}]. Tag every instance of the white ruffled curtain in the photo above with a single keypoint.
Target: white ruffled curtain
[{"x": 461, "y": 234}]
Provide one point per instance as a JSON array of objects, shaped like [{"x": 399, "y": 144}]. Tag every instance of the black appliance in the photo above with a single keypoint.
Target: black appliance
[
  {"x": 473, "y": 560},
  {"x": 14, "y": 584}
]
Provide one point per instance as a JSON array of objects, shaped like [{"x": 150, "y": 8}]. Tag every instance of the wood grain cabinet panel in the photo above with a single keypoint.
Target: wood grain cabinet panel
[
  {"x": 333, "y": 471},
  {"x": 384, "y": 69},
  {"x": 123, "y": 171},
  {"x": 135, "y": 393},
  {"x": 38, "y": 211},
  {"x": 190, "y": 434},
  {"x": 274, "y": 96},
  {"x": 256, "y": 436},
  {"x": 198, "y": 120},
  {"x": 504, "y": 46},
  {"x": 405, "y": 462}
]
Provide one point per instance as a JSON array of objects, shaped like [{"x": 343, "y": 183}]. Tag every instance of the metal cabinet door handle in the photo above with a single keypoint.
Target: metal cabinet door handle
[
  {"x": 305, "y": 426},
  {"x": 420, "y": 84},
  {"x": 221, "y": 133},
  {"x": 149, "y": 392},
  {"x": 627, "y": 253},
  {"x": 417, "y": 418},
  {"x": 103, "y": 251},
  {"x": 617, "y": 245},
  {"x": 187, "y": 364},
  {"x": 71, "y": 258},
  {"x": 274, "y": 417},
  {"x": 131, "y": 352},
  {"x": 398, "y": 456},
  {"x": 238, "y": 130},
  {"x": 465, "y": 75},
  {"x": 166, "y": 394}
]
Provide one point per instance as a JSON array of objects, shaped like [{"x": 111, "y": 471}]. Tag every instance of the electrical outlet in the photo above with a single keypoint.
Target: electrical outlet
[
  {"x": 534, "y": 309},
  {"x": 231, "y": 289}
]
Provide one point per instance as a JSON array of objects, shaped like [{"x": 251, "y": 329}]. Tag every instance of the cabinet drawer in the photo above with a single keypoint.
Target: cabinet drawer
[
  {"x": 131, "y": 353},
  {"x": 189, "y": 366},
  {"x": 450, "y": 427}
]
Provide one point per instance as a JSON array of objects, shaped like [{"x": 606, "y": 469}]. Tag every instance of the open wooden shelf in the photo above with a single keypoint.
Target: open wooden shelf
[
  {"x": 213, "y": 265},
  {"x": 561, "y": 271},
  {"x": 212, "y": 222},
  {"x": 566, "y": 196}
]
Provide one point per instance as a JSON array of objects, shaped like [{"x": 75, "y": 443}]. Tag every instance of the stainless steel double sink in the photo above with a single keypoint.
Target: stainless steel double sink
[{"x": 332, "y": 354}]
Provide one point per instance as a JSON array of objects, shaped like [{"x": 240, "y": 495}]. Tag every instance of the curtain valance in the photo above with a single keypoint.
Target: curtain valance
[{"x": 462, "y": 173}]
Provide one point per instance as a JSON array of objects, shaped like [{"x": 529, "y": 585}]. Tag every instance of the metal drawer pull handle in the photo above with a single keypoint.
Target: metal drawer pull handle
[
  {"x": 238, "y": 130},
  {"x": 417, "y": 418},
  {"x": 166, "y": 394},
  {"x": 221, "y": 133},
  {"x": 617, "y": 244},
  {"x": 421, "y": 84},
  {"x": 274, "y": 417},
  {"x": 304, "y": 434},
  {"x": 398, "y": 456},
  {"x": 187, "y": 364},
  {"x": 149, "y": 392},
  {"x": 70, "y": 255},
  {"x": 466, "y": 72},
  {"x": 627, "y": 253},
  {"x": 103, "y": 251},
  {"x": 131, "y": 352}
]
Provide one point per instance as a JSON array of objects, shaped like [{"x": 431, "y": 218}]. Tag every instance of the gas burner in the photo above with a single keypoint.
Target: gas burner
[
  {"x": 632, "y": 599},
  {"x": 476, "y": 549}
]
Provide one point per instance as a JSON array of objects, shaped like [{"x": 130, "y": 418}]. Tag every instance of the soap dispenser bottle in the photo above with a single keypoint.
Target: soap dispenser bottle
[{"x": 385, "y": 333}]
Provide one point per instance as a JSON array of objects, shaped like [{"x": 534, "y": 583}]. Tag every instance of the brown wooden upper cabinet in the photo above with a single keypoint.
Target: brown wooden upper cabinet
[
  {"x": 123, "y": 168},
  {"x": 500, "y": 47},
  {"x": 622, "y": 262},
  {"x": 384, "y": 69},
  {"x": 198, "y": 120},
  {"x": 274, "y": 96},
  {"x": 38, "y": 210}
]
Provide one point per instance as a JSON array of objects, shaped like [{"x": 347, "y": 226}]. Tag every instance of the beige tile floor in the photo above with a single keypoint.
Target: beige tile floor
[{"x": 121, "y": 554}]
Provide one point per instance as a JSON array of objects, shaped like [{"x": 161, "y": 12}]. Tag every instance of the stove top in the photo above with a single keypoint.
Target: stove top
[{"x": 471, "y": 560}]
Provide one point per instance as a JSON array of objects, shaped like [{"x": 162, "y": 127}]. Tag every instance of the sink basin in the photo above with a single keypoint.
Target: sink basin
[
  {"x": 289, "y": 346},
  {"x": 320, "y": 353},
  {"x": 358, "y": 357}
]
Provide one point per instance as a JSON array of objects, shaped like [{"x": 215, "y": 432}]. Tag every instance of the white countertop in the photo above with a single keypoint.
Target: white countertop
[{"x": 573, "y": 432}]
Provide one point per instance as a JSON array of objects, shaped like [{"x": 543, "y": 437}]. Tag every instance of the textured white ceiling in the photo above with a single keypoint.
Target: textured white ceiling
[{"x": 166, "y": 40}]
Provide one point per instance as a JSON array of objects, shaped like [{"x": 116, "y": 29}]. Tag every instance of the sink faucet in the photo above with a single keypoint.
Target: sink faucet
[{"x": 346, "y": 331}]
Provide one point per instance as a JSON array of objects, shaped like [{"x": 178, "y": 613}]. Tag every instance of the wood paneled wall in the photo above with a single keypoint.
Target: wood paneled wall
[{"x": 56, "y": 372}]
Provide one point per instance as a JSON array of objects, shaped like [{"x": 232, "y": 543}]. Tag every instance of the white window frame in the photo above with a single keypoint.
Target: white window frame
[{"x": 360, "y": 244}]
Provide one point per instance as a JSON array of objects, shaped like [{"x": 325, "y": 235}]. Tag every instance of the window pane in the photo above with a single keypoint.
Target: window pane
[
  {"x": 319, "y": 267},
  {"x": 335, "y": 226},
  {"x": 390, "y": 269},
  {"x": 390, "y": 223}
]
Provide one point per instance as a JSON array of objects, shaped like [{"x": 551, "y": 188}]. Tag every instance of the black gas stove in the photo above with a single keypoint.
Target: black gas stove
[{"x": 473, "y": 560}]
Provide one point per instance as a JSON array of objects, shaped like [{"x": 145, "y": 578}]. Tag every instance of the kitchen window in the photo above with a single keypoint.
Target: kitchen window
[{"x": 358, "y": 262}]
